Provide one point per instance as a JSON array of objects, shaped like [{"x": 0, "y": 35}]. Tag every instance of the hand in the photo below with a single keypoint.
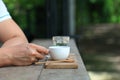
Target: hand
[{"x": 26, "y": 53}]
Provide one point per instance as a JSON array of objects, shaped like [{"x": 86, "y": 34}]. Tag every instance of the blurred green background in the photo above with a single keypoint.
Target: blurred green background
[{"x": 96, "y": 26}]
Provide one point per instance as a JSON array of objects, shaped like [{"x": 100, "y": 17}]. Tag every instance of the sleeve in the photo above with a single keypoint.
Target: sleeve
[{"x": 4, "y": 14}]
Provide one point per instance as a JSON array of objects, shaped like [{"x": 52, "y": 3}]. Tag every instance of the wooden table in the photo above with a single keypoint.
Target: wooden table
[{"x": 38, "y": 72}]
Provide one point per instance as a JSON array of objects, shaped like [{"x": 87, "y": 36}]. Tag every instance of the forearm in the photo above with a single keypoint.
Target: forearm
[
  {"x": 11, "y": 34},
  {"x": 14, "y": 41}
]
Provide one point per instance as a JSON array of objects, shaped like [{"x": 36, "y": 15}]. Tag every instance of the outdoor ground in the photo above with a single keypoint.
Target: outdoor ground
[
  {"x": 102, "y": 61},
  {"x": 100, "y": 51}
]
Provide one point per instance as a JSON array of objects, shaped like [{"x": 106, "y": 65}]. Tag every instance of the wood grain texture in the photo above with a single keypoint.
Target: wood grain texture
[
  {"x": 64, "y": 74},
  {"x": 20, "y": 73},
  {"x": 37, "y": 72},
  {"x": 70, "y": 63}
]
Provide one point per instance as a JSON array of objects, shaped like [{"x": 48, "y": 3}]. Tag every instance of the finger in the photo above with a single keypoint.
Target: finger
[
  {"x": 40, "y": 49},
  {"x": 33, "y": 59},
  {"x": 38, "y": 55}
]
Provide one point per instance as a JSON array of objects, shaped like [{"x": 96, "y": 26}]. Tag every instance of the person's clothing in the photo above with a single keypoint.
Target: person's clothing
[{"x": 4, "y": 14}]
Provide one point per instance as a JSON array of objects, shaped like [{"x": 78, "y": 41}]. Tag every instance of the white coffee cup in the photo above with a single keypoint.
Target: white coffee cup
[{"x": 59, "y": 52}]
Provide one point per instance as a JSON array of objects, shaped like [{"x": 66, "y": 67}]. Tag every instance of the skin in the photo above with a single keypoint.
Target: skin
[{"x": 15, "y": 49}]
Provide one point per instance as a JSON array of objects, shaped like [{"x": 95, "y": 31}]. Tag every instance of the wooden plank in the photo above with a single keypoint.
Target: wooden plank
[
  {"x": 70, "y": 63},
  {"x": 20, "y": 73},
  {"x": 43, "y": 42},
  {"x": 64, "y": 74},
  {"x": 61, "y": 65}
]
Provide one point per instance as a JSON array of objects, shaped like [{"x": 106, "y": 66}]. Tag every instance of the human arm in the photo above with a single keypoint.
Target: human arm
[
  {"x": 21, "y": 54},
  {"x": 15, "y": 49},
  {"x": 11, "y": 34},
  {"x": 9, "y": 30}
]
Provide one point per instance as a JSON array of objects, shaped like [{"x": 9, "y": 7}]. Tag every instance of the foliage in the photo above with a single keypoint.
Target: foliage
[
  {"x": 19, "y": 9},
  {"x": 87, "y": 11},
  {"x": 112, "y": 10},
  {"x": 97, "y": 11}
]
